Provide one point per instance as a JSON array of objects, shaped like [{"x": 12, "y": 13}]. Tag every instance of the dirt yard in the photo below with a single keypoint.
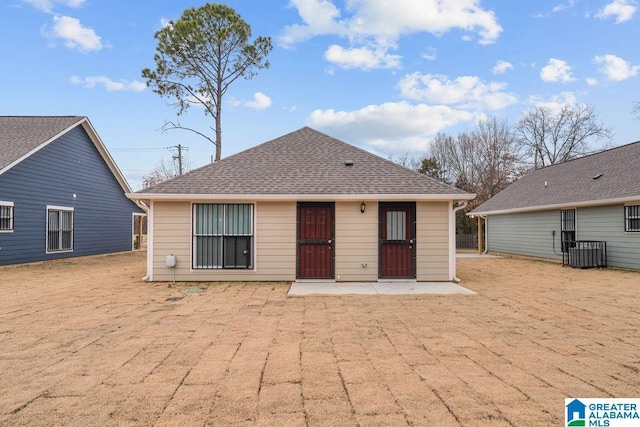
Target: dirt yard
[{"x": 85, "y": 342}]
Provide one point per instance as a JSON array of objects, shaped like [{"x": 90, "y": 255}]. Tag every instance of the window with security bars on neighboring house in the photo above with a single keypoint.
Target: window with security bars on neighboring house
[
  {"x": 222, "y": 236},
  {"x": 59, "y": 229},
  {"x": 6, "y": 216},
  {"x": 632, "y": 218},
  {"x": 568, "y": 229}
]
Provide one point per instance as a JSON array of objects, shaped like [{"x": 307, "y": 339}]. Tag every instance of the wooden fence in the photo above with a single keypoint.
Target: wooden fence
[{"x": 467, "y": 241}]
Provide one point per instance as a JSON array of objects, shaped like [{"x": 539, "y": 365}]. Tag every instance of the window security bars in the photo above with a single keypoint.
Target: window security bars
[
  {"x": 632, "y": 218},
  {"x": 568, "y": 228},
  {"x": 6, "y": 217},
  {"x": 59, "y": 230},
  {"x": 222, "y": 236}
]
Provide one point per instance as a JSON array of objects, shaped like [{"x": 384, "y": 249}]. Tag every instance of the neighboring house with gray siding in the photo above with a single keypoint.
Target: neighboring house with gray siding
[
  {"x": 593, "y": 198},
  {"x": 61, "y": 194}
]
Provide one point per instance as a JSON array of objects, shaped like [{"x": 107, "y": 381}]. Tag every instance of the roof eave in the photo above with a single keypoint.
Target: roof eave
[
  {"x": 299, "y": 197},
  {"x": 567, "y": 205}
]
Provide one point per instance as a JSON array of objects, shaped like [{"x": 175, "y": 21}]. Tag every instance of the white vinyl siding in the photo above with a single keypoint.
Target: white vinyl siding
[
  {"x": 59, "y": 229},
  {"x": 6, "y": 216}
]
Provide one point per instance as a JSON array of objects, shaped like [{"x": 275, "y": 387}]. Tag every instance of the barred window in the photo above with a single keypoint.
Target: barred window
[
  {"x": 6, "y": 216},
  {"x": 222, "y": 236},
  {"x": 632, "y": 218},
  {"x": 568, "y": 229},
  {"x": 59, "y": 229}
]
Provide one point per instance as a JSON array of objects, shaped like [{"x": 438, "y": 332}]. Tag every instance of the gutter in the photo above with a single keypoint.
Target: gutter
[{"x": 453, "y": 238}]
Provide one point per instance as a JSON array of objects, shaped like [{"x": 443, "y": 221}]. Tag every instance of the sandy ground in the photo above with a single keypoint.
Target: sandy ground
[{"x": 85, "y": 342}]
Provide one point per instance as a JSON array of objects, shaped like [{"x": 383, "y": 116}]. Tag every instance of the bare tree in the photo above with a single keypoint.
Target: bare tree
[
  {"x": 164, "y": 171},
  {"x": 554, "y": 136}
]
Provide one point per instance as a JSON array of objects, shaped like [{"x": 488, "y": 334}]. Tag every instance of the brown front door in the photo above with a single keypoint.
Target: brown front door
[
  {"x": 315, "y": 241},
  {"x": 397, "y": 240}
]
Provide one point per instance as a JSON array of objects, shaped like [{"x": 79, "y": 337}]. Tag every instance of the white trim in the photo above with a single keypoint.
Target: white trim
[
  {"x": 300, "y": 197},
  {"x": 73, "y": 226},
  {"x": 2, "y": 202},
  {"x": 572, "y": 205}
]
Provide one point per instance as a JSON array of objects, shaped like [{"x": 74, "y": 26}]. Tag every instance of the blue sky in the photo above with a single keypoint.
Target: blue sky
[{"x": 385, "y": 75}]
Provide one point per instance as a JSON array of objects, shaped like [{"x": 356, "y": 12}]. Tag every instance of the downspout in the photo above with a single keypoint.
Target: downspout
[
  {"x": 453, "y": 238},
  {"x": 149, "y": 276}
]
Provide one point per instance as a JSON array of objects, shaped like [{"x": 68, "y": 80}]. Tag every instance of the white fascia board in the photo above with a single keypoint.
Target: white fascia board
[
  {"x": 617, "y": 201},
  {"x": 300, "y": 197}
]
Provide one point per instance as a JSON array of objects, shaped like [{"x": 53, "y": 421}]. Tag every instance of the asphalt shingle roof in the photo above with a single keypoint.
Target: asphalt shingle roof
[
  {"x": 573, "y": 182},
  {"x": 303, "y": 162},
  {"x": 21, "y": 134}
]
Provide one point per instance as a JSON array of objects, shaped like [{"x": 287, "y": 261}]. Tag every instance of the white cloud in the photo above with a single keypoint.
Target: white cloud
[
  {"x": 260, "y": 101},
  {"x": 465, "y": 91},
  {"x": 430, "y": 53},
  {"x": 111, "y": 85},
  {"x": 363, "y": 58},
  {"x": 560, "y": 7},
  {"x": 391, "y": 127},
  {"x": 47, "y": 5},
  {"x": 556, "y": 71},
  {"x": 75, "y": 36},
  {"x": 623, "y": 10},
  {"x": 616, "y": 68},
  {"x": 164, "y": 22},
  {"x": 379, "y": 24},
  {"x": 592, "y": 81},
  {"x": 554, "y": 102},
  {"x": 501, "y": 67}
]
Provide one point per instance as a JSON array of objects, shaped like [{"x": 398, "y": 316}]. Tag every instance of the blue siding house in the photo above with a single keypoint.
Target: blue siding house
[
  {"x": 585, "y": 211},
  {"x": 61, "y": 194}
]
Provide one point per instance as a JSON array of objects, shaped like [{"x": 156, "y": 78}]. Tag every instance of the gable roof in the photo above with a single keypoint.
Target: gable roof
[
  {"x": 22, "y": 136},
  {"x": 304, "y": 162},
  {"x": 573, "y": 183}
]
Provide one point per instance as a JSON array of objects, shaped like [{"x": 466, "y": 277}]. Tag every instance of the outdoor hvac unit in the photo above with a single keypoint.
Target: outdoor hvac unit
[{"x": 587, "y": 254}]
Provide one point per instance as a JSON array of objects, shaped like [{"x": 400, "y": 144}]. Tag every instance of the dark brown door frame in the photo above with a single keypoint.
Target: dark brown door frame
[
  {"x": 329, "y": 242},
  {"x": 383, "y": 207}
]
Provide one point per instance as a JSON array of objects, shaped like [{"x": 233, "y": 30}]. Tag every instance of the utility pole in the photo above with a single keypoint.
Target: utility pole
[
  {"x": 179, "y": 159},
  {"x": 178, "y": 156}
]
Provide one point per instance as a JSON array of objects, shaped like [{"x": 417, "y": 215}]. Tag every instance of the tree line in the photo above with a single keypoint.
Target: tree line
[{"x": 493, "y": 154}]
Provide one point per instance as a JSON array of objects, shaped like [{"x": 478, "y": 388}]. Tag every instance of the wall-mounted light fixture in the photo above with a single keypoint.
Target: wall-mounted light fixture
[{"x": 362, "y": 207}]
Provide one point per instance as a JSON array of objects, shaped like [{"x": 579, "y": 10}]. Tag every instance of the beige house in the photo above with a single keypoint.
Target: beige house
[{"x": 302, "y": 206}]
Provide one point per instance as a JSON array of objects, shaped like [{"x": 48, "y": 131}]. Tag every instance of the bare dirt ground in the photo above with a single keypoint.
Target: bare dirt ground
[{"x": 85, "y": 342}]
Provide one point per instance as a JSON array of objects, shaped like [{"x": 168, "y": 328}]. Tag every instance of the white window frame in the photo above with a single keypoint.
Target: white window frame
[
  {"x": 62, "y": 209},
  {"x": 628, "y": 217},
  {"x": 11, "y": 216}
]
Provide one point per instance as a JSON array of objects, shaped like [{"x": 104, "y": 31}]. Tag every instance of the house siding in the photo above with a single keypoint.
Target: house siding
[
  {"x": 432, "y": 241},
  {"x": 606, "y": 223},
  {"x": 526, "y": 233},
  {"x": 530, "y": 234},
  {"x": 356, "y": 242},
  {"x": 274, "y": 243},
  {"x": 69, "y": 165}
]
